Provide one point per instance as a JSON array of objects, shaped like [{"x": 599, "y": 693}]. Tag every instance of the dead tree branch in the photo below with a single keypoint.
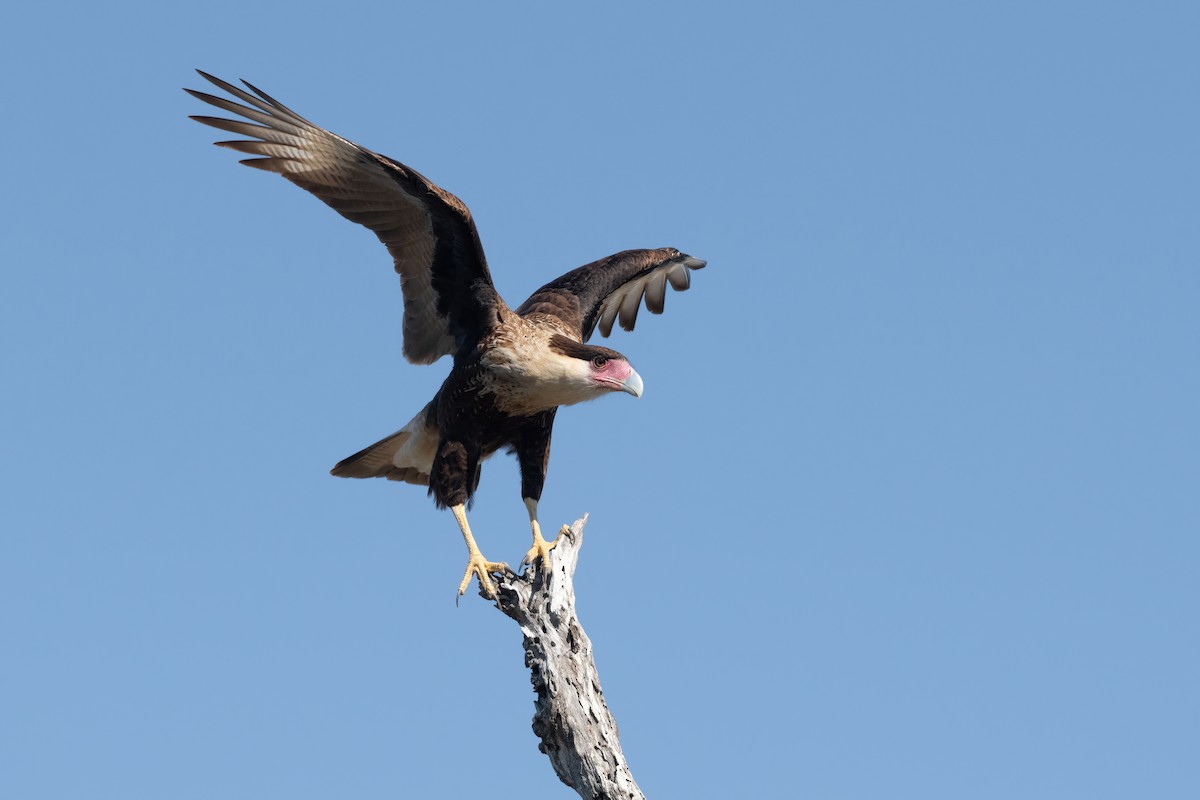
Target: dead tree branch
[{"x": 576, "y": 729}]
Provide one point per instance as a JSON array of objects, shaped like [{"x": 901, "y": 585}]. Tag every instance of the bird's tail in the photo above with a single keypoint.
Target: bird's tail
[{"x": 379, "y": 461}]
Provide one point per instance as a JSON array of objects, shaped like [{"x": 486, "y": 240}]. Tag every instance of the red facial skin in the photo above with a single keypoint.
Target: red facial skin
[{"x": 612, "y": 374}]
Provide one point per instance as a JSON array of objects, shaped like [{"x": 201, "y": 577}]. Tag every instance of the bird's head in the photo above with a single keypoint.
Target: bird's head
[
  {"x": 596, "y": 370},
  {"x": 612, "y": 372}
]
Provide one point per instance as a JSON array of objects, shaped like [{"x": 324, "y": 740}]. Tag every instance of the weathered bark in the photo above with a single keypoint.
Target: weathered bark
[{"x": 577, "y": 731}]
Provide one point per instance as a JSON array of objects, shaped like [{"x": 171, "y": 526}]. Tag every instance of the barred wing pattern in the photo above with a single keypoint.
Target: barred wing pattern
[{"x": 449, "y": 297}]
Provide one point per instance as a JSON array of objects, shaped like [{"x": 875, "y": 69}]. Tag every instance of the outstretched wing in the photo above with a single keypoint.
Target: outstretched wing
[
  {"x": 612, "y": 289},
  {"x": 448, "y": 293}
]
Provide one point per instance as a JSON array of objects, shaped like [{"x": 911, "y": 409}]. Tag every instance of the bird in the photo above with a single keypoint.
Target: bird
[{"x": 512, "y": 368}]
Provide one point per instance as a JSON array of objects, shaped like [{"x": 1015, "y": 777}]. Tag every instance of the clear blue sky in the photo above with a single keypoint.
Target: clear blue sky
[{"x": 910, "y": 507}]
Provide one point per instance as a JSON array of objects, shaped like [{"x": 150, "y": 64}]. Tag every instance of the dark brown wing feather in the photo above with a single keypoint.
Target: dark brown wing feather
[
  {"x": 613, "y": 288},
  {"x": 448, "y": 293}
]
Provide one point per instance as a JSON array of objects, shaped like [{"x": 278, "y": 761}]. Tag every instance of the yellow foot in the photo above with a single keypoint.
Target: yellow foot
[
  {"x": 541, "y": 548},
  {"x": 481, "y": 568}
]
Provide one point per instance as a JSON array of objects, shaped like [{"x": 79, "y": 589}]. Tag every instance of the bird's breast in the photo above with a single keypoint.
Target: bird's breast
[{"x": 527, "y": 377}]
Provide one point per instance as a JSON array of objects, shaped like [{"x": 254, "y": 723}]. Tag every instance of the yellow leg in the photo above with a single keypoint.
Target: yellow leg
[
  {"x": 541, "y": 548},
  {"x": 476, "y": 564}
]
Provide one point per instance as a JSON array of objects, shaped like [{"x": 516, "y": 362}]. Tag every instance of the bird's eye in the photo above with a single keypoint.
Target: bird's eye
[{"x": 599, "y": 361}]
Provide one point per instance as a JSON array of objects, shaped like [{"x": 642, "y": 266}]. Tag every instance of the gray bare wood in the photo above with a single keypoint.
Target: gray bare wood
[{"x": 576, "y": 729}]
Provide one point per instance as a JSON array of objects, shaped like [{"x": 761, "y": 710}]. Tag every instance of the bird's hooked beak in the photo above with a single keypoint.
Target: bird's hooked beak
[{"x": 632, "y": 383}]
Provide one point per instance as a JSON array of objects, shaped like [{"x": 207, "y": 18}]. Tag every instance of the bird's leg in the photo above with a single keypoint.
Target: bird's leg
[
  {"x": 541, "y": 548},
  {"x": 476, "y": 564}
]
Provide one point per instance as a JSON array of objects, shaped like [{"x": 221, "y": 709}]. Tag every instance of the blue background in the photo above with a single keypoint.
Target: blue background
[{"x": 909, "y": 508}]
